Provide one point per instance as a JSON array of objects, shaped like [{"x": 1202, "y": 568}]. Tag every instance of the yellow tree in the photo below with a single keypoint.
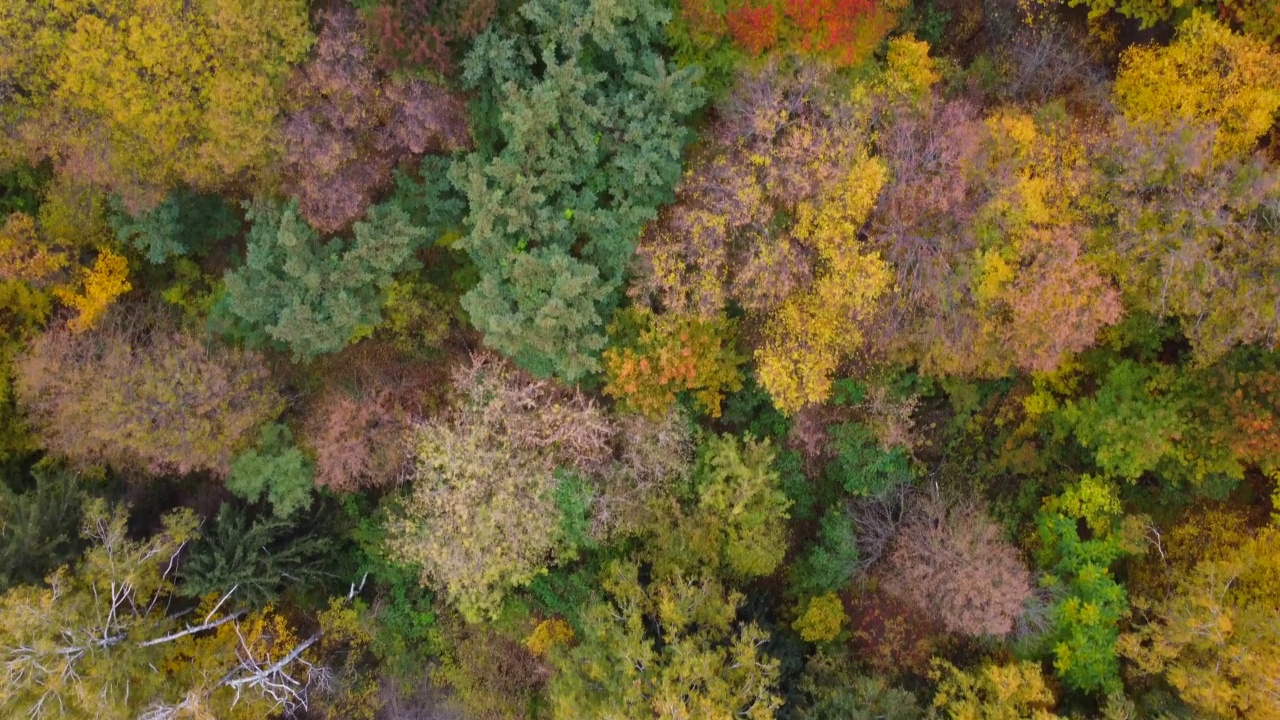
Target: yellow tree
[
  {"x": 1016, "y": 691},
  {"x": 99, "y": 285},
  {"x": 1207, "y": 76},
  {"x": 814, "y": 330},
  {"x": 139, "y": 95},
  {"x": 1216, "y": 636}
]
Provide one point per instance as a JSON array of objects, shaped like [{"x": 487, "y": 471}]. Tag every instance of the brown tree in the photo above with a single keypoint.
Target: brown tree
[
  {"x": 357, "y": 425},
  {"x": 954, "y": 563},
  {"x": 352, "y": 126},
  {"x": 136, "y": 393}
]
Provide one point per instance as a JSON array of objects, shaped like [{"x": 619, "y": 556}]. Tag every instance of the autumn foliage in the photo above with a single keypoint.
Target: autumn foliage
[
  {"x": 842, "y": 32},
  {"x": 675, "y": 354},
  {"x": 150, "y": 398},
  {"x": 350, "y": 129}
]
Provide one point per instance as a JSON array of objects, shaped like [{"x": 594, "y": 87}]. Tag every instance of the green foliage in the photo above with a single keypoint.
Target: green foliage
[
  {"x": 567, "y": 591},
  {"x": 1155, "y": 419},
  {"x": 573, "y": 496},
  {"x": 751, "y": 410},
  {"x": 738, "y": 492},
  {"x": 831, "y": 688},
  {"x": 274, "y": 470},
  {"x": 407, "y": 623},
  {"x": 261, "y": 558},
  {"x": 576, "y": 148},
  {"x": 542, "y": 310},
  {"x": 311, "y": 297},
  {"x": 861, "y": 466},
  {"x": 1131, "y": 423},
  {"x": 831, "y": 559},
  {"x": 703, "y": 663},
  {"x": 185, "y": 223},
  {"x": 1086, "y": 618},
  {"x": 38, "y": 525},
  {"x": 21, "y": 187},
  {"x": 431, "y": 199}
]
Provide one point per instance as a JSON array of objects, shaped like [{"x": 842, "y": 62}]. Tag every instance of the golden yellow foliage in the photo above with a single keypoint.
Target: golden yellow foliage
[
  {"x": 1208, "y": 75},
  {"x": 107, "y": 280},
  {"x": 23, "y": 256},
  {"x": 910, "y": 71},
  {"x": 1215, "y": 636},
  {"x": 550, "y": 633},
  {"x": 993, "y": 692},
  {"x": 814, "y": 330},
  {"x": 139, "y": 95},
  {"x": 822, "y": 620}
]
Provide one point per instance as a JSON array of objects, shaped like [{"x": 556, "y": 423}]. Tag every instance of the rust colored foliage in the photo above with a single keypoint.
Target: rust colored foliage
[
  {"x": 841, "y": 32},
  {"x": 954, "y": 564},
  {"x": 890, "y": 635},
  {"x": 409, "y": 34},
  {"x": 675, "y": 354},
  {"x": 150, "y": 398},
  {"x": 1057, "y": 303},
  {"x": 755, "y": 29},
  {"x": 352, "y": 126},
  {"x": 357, "y": 426}
]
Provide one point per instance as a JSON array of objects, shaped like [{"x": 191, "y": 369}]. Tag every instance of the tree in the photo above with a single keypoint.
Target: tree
[
  {"x": 1214, "y": 637},
  {"x": 673, "y": 354},
  {"x": 1190, "y": 231},
  {"x": 543, "y": 310},
  {"x": 273, "y": 470},
  {"x": 353, "y": 127},
  {"x": 576, "y": 149},
  {"x": 1016, "y": 691},
  {"x": 1211, "y": 76},
  {"x": 842, "y": 32},
  {"x": 482, "y": 516},
  {"x": 832, "y": 689},
  {"x": 259, "y": 557},
  {"x": 983, "y": 223},
  {"x": 695, "y": 660},
  {"x": 808, "y": 336},
  {"x": 37, "y": 531},
  {"x": 1086, "y": 618},
  {"x": 831, "y": 559},
  {"x": 1256, "y": 17},
  {"x": 138, "y": 397},
  {"x": 185, "y": 223},
  {"x": 62, "y": 644},
  {"x": 822, "y": 619},
  {"x": 739, "y": 495},
  {"x": 357, "y": 424},
  {"x": 409, "y": 34},
  {"x": 954, "y": 563},
  {"x": 99, "y": 642},
  {"x": 141, "y": 95},
  {"x": 309, "y": 297},
  {"x": 494, "y": 677},
  {"x": 100, "y": 286}
]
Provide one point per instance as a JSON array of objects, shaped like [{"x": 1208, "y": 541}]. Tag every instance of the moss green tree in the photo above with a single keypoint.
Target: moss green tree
[{"x": 579, "y": 140}]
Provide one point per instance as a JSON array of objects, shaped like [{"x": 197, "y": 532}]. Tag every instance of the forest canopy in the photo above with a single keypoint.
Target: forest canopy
[{"x": 639, "y": 359}]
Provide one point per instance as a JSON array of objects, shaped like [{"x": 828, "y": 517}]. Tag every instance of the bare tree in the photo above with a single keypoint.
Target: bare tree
[{"x": 953, "y": 562}]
